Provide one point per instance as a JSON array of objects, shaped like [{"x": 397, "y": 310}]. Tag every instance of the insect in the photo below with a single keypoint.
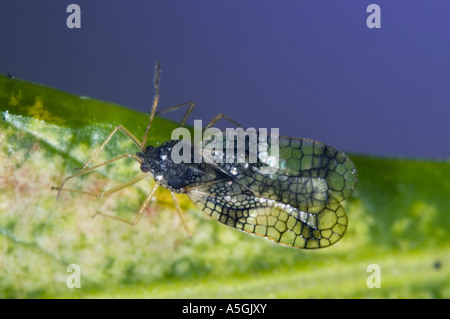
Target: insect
[{"x": 297, "y": 204}]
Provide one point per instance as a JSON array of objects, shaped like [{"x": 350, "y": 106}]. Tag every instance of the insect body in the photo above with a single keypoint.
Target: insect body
[{"x": 296, "y": 204}]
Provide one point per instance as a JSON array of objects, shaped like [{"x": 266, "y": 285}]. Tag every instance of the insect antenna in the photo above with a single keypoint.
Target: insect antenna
[{"x": 155, "y": 102}]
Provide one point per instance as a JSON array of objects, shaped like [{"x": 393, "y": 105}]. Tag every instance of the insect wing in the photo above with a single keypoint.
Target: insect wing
[
  {"x": 290, "y": 194},
  {"x": 303, "y": 173},
  {"x": 309, "y": 174},
  {"x": 233, "y": 205}
]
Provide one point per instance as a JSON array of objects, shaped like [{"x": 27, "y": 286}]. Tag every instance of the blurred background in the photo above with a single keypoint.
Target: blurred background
[{"x": 312, "y": 69}]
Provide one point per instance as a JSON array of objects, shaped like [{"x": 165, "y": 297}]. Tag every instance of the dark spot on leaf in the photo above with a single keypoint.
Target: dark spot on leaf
[{"x": 437, "y": 264}]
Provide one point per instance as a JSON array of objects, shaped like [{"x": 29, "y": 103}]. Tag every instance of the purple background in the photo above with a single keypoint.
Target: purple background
[{"x": 311, "y": 68}]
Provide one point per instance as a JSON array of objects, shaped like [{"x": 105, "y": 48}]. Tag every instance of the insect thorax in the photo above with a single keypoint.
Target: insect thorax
[{"x": 174, "y": 176}]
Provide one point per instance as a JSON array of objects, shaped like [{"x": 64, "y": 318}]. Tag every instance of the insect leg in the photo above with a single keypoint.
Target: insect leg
[
  {"x": 221, "y": 116},
  {"x": 144, "y": 205},
  {"x": 87, "y": 170},
  {"x": 191, "y": 105},
  {"x": 140, "y": 212},
  {"x": 118, "y": 128},
  {"x": 104, "y": 193},
  {"x": 180, "y": 214}
]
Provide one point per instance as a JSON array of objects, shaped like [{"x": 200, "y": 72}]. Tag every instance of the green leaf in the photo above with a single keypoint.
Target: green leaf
[{"x": 398, "y": 219}]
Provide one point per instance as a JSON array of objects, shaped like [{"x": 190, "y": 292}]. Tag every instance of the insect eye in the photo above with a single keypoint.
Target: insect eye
[{"x": 149, "y": 148}]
